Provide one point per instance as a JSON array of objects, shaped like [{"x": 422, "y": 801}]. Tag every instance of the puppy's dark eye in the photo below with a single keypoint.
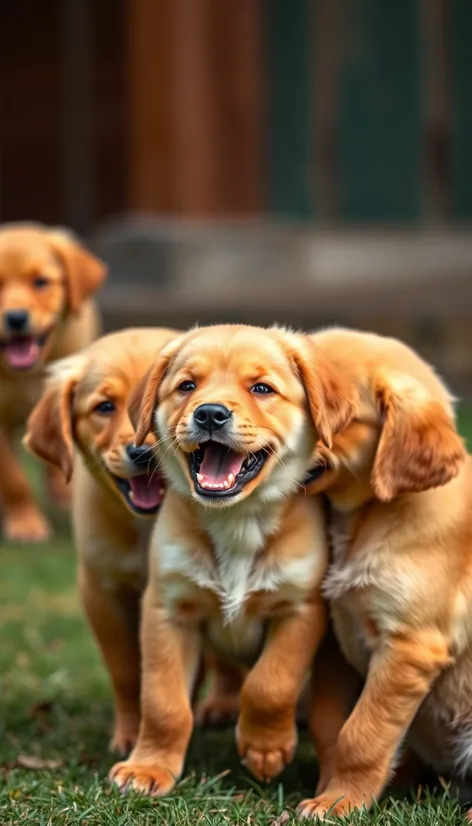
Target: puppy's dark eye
[
  {"x": 262, "y": 389},
  {"x": 187, "y": 386},
  {"x": 105, "y": 408},
  {"x": 40, "y": 282}
]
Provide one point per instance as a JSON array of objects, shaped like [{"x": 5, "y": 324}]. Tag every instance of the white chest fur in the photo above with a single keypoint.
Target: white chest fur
[{"x": 236, "y": 568}]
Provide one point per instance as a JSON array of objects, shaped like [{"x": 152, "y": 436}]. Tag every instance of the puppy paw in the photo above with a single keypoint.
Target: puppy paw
[
  {"x": 266, "y": 752},
  {"x": 26, "y": 526},
  {"x": 325, "y": 805},
  {"x": 217, "y": 711},
  {"x": 154, "y": 781}
]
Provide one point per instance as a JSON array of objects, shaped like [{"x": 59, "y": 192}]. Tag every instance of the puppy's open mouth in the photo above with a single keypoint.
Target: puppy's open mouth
[
  {"x": 218, "y": 471},
  {"x": 143, "y": 493},
  {"x": 22, "y": 352}
]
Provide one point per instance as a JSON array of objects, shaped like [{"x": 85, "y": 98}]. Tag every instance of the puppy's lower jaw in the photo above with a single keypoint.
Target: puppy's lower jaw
[
  {"x": 23, "y": 352},
  {"x": 218, "y": 471},
  {"x": 143, "y": 493}
]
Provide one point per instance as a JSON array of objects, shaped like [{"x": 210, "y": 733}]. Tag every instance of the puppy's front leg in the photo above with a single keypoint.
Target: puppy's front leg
[
  {"x": 23, "y": 521},
  {"x": 266, "y": 732},
  {"x": 400, "y": 675},
  {"x": 116, "y": 628},
  {"x": 170, "y": 657}
]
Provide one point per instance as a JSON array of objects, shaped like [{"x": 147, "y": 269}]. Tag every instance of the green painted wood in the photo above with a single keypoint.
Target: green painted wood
[
  {"x": 290, "y": 105},
  {"x": 460, "y": 50},
  {"x": 379, "y": 122}
]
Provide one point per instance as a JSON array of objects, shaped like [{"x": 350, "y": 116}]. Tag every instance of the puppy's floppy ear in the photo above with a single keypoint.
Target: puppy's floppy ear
[
  {"x": 143, "y": 400},
  {"x": 84, "y": 272},
  {"x": 419, "y": 447},
  {"x": 49, "y": 427},
  {"x": 332, "y": 397}
]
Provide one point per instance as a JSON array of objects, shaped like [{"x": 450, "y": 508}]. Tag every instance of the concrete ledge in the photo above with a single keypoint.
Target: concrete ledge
[
  {"x": 210, "y": 265},
  {"x": 413, "y": 284}
]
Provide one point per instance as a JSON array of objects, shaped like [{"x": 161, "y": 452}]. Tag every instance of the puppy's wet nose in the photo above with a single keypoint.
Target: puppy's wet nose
[
  {"x": 16, "y": 320},
  {"x": 212, "y": 416},
  {"x": 140, "y": 456}
]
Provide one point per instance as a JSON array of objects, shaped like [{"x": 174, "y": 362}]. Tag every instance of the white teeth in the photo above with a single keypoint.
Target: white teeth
[
  {"x": 226, "y": 485},
  {"x": 162, "y": 491}
]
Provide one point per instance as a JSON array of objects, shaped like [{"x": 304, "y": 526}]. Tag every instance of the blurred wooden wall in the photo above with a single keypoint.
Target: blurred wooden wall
[
  {"x": 197, "y": 115},
  {"x": 340, "y": 112}
]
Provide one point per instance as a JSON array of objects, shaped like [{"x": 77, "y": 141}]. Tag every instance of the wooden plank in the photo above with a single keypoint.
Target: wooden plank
[
  {"x": 77, "y": 114},
  {"x": 194, "y": 111},
  {"x": 151, "y": 145},
  {"x": 30, "y": 111},
  {"x": 237, "y": 72},
  {"x": 328, "y": 41},
  {"x": 217, "y": 70},
  {"x": 380, "y": 130},
  {"x": 461, "y": 69},
  {"x": 111, "y": 115},
  {"x": 290, "y": 107},
  {"x": 435, "y": 110}
]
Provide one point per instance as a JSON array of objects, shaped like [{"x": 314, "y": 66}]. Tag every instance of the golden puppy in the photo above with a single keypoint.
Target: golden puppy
[
  {"x": 238, "y": 551},
  {"x": 117, "y": 485},
  {"x": 46, "y": 280},
  {"x": 399, "y": 486}
]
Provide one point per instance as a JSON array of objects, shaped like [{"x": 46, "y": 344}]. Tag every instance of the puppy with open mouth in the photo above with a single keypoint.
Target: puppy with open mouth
[
  {"x": 116, "y": 486},
  {"x": 48, "y": 280},
  {"x": 118, "y": 490},
  {"x": 238, "y": 551}
]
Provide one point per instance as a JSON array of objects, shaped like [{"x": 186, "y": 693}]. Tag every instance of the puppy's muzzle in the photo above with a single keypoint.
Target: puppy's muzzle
[
  {"x": 139, "y": 456},
  {"x": 16, "y": 321},
  {"x": 211, "y": 417}
]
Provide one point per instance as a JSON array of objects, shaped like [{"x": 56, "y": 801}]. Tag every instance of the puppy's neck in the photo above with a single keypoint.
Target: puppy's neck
[
  {"x": 240, "y": 530},
  {"x": 352, "y": 458},
  {"x": 239, "y": 536}
]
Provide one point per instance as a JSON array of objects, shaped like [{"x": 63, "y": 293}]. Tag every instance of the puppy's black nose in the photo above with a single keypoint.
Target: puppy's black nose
[
  {"x": 16, "y": 320},
  {"x": 212, "y": 416},
  {"x": 140, "y": 456}
]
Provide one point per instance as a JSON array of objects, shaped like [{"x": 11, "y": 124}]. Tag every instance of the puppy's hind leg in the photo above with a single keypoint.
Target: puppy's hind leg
[
  {"x": 115, "y": 625},
  {"x": 222, "y": 704},
  {"x": 335, "y": 687}
]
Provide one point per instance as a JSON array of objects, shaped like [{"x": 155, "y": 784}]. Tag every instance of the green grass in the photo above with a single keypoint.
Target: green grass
[{"x": 55, "y": 706}]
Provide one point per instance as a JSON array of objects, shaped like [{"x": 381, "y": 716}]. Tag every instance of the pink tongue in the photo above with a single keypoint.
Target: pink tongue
[
  {"x": 21, "y": 353},
  {"x": 218, "y": 462},
  {"x": 147, "y": 493}
]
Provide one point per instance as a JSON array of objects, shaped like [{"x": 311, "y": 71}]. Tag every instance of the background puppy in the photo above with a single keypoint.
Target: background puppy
[
  {"x": 400, "y": 581},
  {"x": 238, "y": 552},
  {"x": 46, "y": 280},
  {"x": 116, "y": 486}
]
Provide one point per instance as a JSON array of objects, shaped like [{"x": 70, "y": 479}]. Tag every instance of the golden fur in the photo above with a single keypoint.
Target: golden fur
[
  {"x": 49, "y": 276},
  {"x": 234, "y": 566},
  {"x": 111, "y": 533},
  {"x": 400, "y": 582},
  {"x": 111, "y": 538}
]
